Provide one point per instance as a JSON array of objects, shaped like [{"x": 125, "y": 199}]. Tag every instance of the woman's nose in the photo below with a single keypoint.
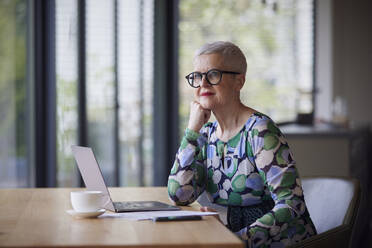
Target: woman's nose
[{"x": 204, "y": 82}]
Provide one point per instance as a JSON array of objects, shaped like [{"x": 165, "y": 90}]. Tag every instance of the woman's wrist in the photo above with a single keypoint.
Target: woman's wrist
[
  {"x": 191, "y": 134},
  {"x": 195, "y": 128}
]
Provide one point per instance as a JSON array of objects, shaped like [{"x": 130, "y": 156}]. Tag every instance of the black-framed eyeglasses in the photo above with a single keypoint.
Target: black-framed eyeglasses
[{"x": 213, "y": 77}]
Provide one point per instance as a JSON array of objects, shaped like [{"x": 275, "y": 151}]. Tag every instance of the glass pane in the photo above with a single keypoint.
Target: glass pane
[
  {"x": 135, "y": 88},
  {"x": 148, "y": 83},
  {"x": 100, "y": 83},
  {"x": 67, "y": 80},
  {"x": 15, "y": 111},
  {"x": 277, "y": 39}
]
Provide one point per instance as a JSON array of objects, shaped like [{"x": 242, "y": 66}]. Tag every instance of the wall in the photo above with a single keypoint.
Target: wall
[{"x": 352, "y": 57}]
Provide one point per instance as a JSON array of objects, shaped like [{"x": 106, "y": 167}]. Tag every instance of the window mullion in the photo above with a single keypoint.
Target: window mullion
[
  {"x": 82, "y": 113},
  {"x": 116, "y": 98},
  {"x": 45, "y": 94}
]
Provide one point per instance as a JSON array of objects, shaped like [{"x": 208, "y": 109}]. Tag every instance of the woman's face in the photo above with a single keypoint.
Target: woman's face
[{"x": 216, "y": 96}]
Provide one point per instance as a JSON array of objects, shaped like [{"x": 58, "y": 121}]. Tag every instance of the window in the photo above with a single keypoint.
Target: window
[
  {"x": 66, "y": 81},
  {"x": 51, "y": 51},
  {"x": 118, "y": 81},
  {"x": 135, "y": 61},
  {"x": 100, "y": 69},
  {"x": 276, "y": 37},
  {"x": 15, "y": 96}
]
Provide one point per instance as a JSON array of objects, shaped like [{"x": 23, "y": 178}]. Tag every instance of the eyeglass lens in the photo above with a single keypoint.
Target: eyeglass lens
[{"x": 213, "y": 77}]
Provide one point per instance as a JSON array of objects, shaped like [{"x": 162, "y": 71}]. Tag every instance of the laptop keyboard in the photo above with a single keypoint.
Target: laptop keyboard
[
  {"x": 130, "y": 205},
  {"x": 121, "y": 205}
]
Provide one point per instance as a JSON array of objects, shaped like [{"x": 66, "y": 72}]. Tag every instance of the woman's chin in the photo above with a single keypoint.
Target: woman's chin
[{"x": 206, "y": 105}]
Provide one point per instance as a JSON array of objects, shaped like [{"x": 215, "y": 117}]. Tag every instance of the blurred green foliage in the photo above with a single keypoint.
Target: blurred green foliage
[
  {"x": 13, "y": 82},
  {"x": 14, "y": 107},
  {"x": 254, "y": 26}
]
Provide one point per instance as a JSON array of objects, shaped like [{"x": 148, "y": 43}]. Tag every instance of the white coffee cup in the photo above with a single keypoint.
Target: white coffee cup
[{"x": 87, "y": 201}]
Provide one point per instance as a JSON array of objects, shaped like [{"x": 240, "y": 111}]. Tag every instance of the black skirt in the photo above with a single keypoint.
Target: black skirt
[{"x": 239, "y": 217}]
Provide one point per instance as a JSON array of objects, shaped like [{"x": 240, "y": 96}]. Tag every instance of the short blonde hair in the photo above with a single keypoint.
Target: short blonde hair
[{"x": 231, "y": 53}]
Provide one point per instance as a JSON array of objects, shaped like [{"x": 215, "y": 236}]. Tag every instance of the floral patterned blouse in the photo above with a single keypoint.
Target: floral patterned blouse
[{"x": 254, "y": 165}]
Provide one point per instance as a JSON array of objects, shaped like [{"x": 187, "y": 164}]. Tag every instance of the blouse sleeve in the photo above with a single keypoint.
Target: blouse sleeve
[
  {"x": 276, "y": 166},
  {"x": 187, "y": 178}
]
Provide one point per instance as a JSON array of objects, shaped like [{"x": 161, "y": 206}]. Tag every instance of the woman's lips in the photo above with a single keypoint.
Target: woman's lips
[{"x": 207, "y": 94}]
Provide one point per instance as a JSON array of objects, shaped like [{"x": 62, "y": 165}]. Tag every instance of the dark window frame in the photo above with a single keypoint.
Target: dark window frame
[
  {"x": 165, "y": 126},
  {"x": 166, "y": 95},
  {"x": 45, "y": 94}
]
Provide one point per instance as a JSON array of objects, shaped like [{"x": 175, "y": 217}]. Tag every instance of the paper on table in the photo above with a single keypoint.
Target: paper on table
[{"x": 148, "y": 215}]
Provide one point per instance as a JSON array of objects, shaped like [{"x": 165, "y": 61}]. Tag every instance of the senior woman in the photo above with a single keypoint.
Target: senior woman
[{"x": 241, "y": 160}]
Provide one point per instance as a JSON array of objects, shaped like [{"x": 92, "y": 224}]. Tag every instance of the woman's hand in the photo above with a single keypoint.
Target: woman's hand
[
  {"x": 198, "y": 116},
  {"x": 207, "y": 209}
]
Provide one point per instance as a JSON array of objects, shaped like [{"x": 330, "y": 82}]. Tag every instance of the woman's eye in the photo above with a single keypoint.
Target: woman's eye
[
  {"x": 197, "y": 76},
  {"x": 213, "y": 74}
]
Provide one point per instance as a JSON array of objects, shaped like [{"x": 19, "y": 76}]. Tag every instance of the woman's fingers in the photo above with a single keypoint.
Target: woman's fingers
[
  {"x": 207, "y": 209},
  {"x": 198, "y": 116}
]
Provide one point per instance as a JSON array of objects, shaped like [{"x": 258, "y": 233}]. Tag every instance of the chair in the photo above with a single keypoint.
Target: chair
[{"x": 333, "y": 203}]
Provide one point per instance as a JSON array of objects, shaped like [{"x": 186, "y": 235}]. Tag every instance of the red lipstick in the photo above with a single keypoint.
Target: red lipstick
[{"x": 207, "y": 94}]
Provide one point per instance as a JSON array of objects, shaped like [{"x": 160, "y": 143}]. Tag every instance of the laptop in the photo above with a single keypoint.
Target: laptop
[{"x": 93, "y": 180}]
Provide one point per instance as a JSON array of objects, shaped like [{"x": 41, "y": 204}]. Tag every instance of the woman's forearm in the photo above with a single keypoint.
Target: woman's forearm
[{"x": 186, "y": 180}]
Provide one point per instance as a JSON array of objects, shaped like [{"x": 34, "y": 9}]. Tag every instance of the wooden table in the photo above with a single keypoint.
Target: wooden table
[{"x": 38, "y": 218}]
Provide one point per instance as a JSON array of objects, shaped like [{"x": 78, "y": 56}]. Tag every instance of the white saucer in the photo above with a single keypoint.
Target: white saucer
[{"x": 85, "y": 214}]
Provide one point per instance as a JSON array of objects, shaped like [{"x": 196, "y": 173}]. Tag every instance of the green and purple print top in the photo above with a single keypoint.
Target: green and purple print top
[{"x": 253, "y": 166}]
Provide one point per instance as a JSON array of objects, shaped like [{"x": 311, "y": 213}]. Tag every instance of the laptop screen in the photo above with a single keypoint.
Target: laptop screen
[{"x": 90, "y": 171}]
